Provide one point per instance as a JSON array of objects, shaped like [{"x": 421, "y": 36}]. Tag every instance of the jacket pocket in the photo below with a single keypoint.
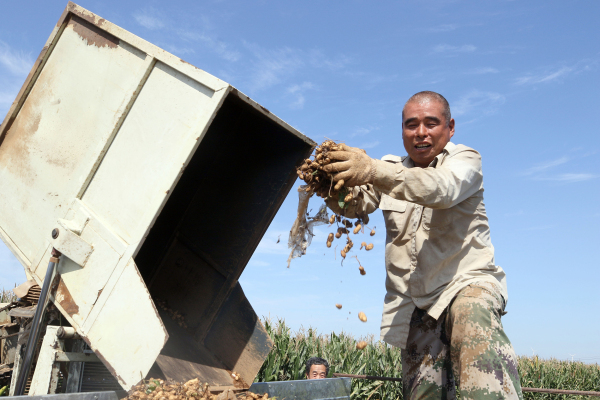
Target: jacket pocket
[
  {"x": 437, "y": 218},
  {"x": 388, "y": 203},
  {"x": 394, "y": 213}
]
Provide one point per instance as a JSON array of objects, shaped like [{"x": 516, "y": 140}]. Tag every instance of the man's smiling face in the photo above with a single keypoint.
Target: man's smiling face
[{"x": 424, "y": 131}]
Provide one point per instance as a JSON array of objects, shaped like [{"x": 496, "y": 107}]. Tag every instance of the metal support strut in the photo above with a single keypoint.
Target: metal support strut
[{"x": 35, "y": 326}]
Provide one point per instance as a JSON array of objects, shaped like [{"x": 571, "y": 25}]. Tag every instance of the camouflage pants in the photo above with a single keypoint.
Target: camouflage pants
[{"x": 465, "y": 347}]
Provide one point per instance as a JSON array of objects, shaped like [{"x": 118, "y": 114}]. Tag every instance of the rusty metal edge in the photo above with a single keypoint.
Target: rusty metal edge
[
  {"x": 109, "y": 395},
  {"x": 35, "y": 71}
]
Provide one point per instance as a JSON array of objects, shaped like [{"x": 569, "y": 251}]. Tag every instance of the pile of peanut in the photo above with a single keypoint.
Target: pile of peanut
[{"x": 158, "y": 389}]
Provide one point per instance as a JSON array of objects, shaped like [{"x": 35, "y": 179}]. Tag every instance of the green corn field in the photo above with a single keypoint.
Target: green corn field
[{"x": 287, "y": 362}]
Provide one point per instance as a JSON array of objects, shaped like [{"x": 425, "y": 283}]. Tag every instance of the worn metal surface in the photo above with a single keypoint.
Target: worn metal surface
[
  {"x": 114, "y": 142},
  {"x": 309, "y": 389},
  {"x": 36, "y": 325},
  {"x": 75, "y": 369},
  {"x": 368, "y": 377},
  {"x": 108, "y": 395},
  {"x": 62, "y": 356},
  {"x": 41, "y": 382}
]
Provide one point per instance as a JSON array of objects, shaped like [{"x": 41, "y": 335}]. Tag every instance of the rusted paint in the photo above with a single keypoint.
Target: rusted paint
[
  {"x": 12, "y": 115},
  {"x": 92, "y": 34},
  {"x": 90, "y": 17},
  {"x": 97, "y": 297},
  {"x": 185, "y": 62},
  {"x": 239, "y": 383},
  {"x": 63, "y": 296}
]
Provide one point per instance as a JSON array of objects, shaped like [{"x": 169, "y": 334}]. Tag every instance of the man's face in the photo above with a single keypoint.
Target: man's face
[
  {"x": 424, "y": 131},
  {"x": 317, "y": 372}
]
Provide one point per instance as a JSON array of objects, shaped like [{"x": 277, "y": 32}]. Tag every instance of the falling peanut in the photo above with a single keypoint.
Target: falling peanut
[
  {"x": 362, "y": 270},
  {"x": 363, "y": 244},
  {"x": 369, "y": 247},
  {"x": 330, "y": 237},
  {"x": 343, "y": 254},
  {"x": 338, "y": 235},
  {"x": 372, "y": 232},
  {"x": 339, "y": 306},
  {"x": 362, "y": 316},
  {"x": 361, "y": 345},
  {"x": 328, "y": 244},
  {"x": 332, "y": 219},
  {"x": 357, "y": 229}
]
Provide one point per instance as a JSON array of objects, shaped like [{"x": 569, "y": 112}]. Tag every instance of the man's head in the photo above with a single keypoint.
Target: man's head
[
  {"x": 317, "y": 368},
  {"x": 427, "y": 126}
]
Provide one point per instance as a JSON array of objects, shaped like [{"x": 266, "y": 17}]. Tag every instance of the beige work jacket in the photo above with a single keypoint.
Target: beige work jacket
[{"x": 437, "y": 233}]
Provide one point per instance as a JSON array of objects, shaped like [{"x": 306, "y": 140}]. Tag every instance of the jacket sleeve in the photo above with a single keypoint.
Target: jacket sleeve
[
  {"x": 457, "y": 178},
  {"x": 365, "y": 201}
]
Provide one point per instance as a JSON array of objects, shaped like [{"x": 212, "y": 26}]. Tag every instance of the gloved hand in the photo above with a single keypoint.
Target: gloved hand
[{"x": 352, "y": 164}]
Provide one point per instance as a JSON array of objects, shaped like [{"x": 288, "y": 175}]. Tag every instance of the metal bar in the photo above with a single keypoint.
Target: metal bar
[
  {"x": 62, "y": 356},
  {"x": 373, "y": 378},
  {"x": 11, "y": 335},
  {"x": 66, "y": 332},
  {"x": 559, "y": 391},
  {"x": 75, "y": 369},
  {"x": 534, "y": 390},
  {"x": 35, "y": 326},
  {"x": 108, "y": 395}
]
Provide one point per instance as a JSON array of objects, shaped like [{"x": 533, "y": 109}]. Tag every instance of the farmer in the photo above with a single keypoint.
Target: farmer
[
  {"x": 317, "y": 368},
  {"x": 445, "y": 295}
]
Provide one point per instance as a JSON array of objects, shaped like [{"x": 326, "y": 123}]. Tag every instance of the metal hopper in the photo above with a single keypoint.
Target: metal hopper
[{"x": 160, "y": 180}]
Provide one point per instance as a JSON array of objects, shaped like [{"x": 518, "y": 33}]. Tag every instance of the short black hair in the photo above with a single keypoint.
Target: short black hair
[
  {"x": 427, "y": 96},
  {"x": 316, "y": 361}
]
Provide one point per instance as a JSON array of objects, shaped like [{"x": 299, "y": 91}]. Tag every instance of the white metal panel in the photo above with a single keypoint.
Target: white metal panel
[
  {"x": 59, "y": 133},
  {"x": 128, "y": 334},
  {"x": 150, "y": 151},
  {"x": 40, "y": 382}
]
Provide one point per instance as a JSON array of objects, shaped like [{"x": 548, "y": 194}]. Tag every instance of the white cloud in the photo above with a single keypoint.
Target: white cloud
[
  {"x": 145, "y": 19},
  {"x": 443, "y": 28},
  {"x": 219, "y": 47},
  {"x": 568, "y": 178},
  {"x": 297, "y": 91},
  {"x": 537, "y": 172},
  {"x": 364, "y": 131},
  {"x": 446, "y": 48},
  {"x": 484, "y": 70},
  {"x": 17, "y": 63},
  {"x": 544, "y": 77},
  {"x": 481, "y": 103},
  {"x": 272, "y": 66},
  {"x": 547, "y": 75},
  {"x": 318, "y": 59},
  {"x": 369, "y": 145},
  {"x": 544, "y": 166}
]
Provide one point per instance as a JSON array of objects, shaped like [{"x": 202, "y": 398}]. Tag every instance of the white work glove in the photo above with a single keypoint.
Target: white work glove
[{"x": 351, "y": 164}]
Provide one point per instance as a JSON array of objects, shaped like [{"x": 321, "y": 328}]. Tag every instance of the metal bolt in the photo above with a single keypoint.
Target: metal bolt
[{"x": 54, "y": 233}]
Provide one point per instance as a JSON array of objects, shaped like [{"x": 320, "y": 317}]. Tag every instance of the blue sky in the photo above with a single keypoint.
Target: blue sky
[{"x": 522, "y": 79}]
